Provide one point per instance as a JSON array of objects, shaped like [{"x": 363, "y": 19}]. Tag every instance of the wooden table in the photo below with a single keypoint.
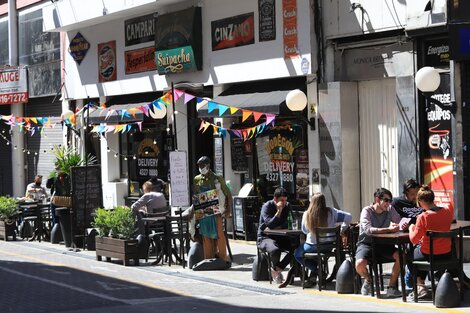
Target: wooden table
[
  {"x": 294, "y": 237},
  {"x": 400, "y": 239}
]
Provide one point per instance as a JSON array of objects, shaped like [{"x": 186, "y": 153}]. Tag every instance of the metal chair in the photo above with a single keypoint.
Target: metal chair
[
  {"x": 455, "y": 262},
  {"x": 177, "y": 229},
  {"x": 328, "y": 246}
]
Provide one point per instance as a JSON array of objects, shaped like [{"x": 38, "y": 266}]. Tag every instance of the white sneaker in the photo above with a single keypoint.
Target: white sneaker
[
  {"x": 365, "y": 289},
  {"x": 277, "y": 276},
  {"x": 393, "y": 292}
]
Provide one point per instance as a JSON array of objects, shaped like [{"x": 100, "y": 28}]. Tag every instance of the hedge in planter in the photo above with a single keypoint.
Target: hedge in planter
[
  {"x": 8, "y": 213},
  {"x": 116, "y": 228}
]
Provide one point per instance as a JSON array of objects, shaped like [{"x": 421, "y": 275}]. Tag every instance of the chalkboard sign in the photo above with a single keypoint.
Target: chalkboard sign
[
  {"x": 239, "y": 161},
  {"x": 86, "y": 182},
  {"x": 179, "y": 179},
  {"x": 219, "y": 156}
]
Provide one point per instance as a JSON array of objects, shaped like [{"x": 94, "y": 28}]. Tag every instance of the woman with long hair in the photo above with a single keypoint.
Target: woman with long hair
[{"x": 318, "y": 215}]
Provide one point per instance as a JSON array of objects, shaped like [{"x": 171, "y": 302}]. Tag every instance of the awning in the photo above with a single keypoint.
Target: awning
[
  {"x": 99, "y": 115},
  {"x": 267, "y": 102}
]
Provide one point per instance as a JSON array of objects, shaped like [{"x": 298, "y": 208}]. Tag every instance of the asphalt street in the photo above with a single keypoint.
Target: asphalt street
[{"x": 40, "y": 277}]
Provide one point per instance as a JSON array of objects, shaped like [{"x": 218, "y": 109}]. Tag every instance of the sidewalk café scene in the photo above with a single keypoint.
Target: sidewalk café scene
[{"x": 249, "y": 154}]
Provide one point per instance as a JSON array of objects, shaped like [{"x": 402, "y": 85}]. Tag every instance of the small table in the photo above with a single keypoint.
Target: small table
[
  {"x": 36, "y": 209},
  {"x": 294, "y": 237}
]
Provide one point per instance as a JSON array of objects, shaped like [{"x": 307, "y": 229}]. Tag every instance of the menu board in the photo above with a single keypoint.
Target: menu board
[
  {"x": 179, "y": 179},
  {"x": 239, "y": 161},
  {"x": 86, "y": 194},
  {"x": 219, "y": 156}
]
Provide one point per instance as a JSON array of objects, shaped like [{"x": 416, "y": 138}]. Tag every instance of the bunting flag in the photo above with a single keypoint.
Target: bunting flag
[{"x": 245, "y": 134}]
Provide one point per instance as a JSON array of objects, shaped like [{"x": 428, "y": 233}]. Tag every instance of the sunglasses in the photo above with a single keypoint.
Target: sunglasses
[{"x": 387, "y": 200}]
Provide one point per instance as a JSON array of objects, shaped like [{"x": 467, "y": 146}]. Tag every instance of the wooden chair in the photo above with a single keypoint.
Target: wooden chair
[
  {"x": 328, "y": 246},
  {"x": 455, "y": 262}
]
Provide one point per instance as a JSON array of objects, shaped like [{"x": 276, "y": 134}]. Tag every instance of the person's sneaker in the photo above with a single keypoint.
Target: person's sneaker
[
  {"x": 393, "y": 292},
  {"x": 277, "y": 276},
  {"x": 365, "y": 289},
  {"x": 423, "y": 294},
  {"x": 310, "y": 282}
]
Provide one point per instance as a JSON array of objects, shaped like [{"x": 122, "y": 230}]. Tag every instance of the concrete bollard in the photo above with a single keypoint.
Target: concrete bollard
[
  {"x": 447, "y": 294},
  {"x": 345, "y": 278},
  {"x": 56, "y": 234}
]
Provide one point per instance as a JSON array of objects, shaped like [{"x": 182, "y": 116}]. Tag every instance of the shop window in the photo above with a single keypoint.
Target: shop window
[{"x": 144, "y": 156}]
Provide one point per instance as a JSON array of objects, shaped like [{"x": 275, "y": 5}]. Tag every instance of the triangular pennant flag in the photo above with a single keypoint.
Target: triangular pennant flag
[
  {"x": 257, "y": 115},
  {"x": 233, "y": 110},
  {"x": 206, "y": 126},
  {"x": 34, "y": 120},
  {"x": 145, "y": 109},
  {"x": 133, "y": 111},
  {"x": 215, "y": 129},
  {"x": 6, "y": 117},
  {"x": 270, "y": 118},
  {"x": 246, "y": 114},
  {"x": 178, "y": 94},
  {"x": 110, "y": 128},
  {"x": 202, "y": 125},
  {"x": 188, "y": 97},
  {"x": 166, "y": 98},
  {"x": 156, "y": 105},
  {"x": 139, "y": 124},
  {"x": 40, "y": 120},
  {"x": 211, "y": 106},
  {"x": 33, "y": 130},
  {"x": 222, "y": 109},
  {"x": 223, "y": 132},
  {"x": 108, "y": 114}
]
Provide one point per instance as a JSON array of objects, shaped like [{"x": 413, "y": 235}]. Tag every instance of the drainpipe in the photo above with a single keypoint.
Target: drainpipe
[{"x": 17, "y": 138}]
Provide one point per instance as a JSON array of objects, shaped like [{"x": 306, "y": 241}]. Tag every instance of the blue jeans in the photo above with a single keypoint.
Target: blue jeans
[{"x": 309, "y": 263}]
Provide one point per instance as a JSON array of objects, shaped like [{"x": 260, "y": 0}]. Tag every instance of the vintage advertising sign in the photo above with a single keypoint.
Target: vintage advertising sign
[
  {"x": 78, "y": 48},
  {"x": 205, "y": 204},
  {"x": 301, "y": 177},
  {"x": 107, "y": 61},
  {"x": 289, "y": 23},
  {"x": 147, "y": 160},
  {"x": 267, "y": 20},
  {"x": 13, "y": 85},
  {"x": 232, "y": 32},
  {"x": 140, "y": 29},
  {"x": 438, "y": 160},
  {"x": 178, "y": 42},
  {"x": 140, "y": 60}
]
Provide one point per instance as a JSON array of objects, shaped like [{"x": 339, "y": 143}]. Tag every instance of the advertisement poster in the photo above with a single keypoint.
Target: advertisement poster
[
  {"x": 438, "y": 161},
  {"x": 140, "y": 60},
  {"x": 13, "y": 85},
  {"x": 267, "y": 20},
  {"x": 280, "y": 168},
  {"x": 232, "y": 32},
  {"x": 178, "y": 41},
  {"x": 205, "y": 203},
  {"x": 301, "y": 178},
  {"x": 107, "y": 61},
  {"x": 289, "y": 23},
  {"x": 78, "y": 48},
  {"x": 139, "y": 30},
  {"x": 147, "y": 159}
]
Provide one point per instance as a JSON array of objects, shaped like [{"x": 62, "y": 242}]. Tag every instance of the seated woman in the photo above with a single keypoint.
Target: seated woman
[
  {"x": 150, "y": 202},
  {"x": 318, "y": 215},
  {"x": 433, "y": 218}
]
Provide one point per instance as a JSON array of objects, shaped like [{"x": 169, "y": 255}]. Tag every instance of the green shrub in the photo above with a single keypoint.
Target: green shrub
[
  {"x": 8, "y": 209},
  {"x": 118, "y": 222}
]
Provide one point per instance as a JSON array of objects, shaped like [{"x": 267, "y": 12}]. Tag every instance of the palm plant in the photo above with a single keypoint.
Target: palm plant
[{"x": 67, "y": 157}]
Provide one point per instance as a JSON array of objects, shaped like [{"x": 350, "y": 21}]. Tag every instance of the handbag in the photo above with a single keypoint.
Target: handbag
[{"x": 62, "y": 201}]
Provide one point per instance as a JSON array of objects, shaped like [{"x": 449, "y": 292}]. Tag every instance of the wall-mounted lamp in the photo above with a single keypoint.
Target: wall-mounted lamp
[
  {"x": 296, "y": 101},
  {"x": 427, "y": 80}
]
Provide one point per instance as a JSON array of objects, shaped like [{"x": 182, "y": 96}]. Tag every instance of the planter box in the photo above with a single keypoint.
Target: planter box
[
  {"x": 120, "y": 249},
  {"x": 7, "y": 230}
]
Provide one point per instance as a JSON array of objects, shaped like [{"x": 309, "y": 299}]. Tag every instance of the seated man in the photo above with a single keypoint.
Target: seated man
[
  {"x": 35, "y": 189},
  {"x": 378, "y": 218},
  {"x": 433, "y": 218},
  {"x": 406, "y": 205},
  {"x": 150, "y": 202},
  {"x": 274, "y": 215}
]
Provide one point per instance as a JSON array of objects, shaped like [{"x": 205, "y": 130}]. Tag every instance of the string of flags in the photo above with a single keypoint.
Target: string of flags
[{"x": 155, "y": 109}]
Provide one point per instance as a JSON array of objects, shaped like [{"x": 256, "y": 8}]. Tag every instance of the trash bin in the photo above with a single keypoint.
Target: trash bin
[
  {"x": 246, "y": 211},
  {"x": 65, "y": 225}
]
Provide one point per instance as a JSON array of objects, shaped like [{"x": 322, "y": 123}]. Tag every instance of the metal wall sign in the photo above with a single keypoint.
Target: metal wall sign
[
  {"x": 13, "y": 85},
  {"x": 233, "y": 31},
  {"x": 107, "y": 61},
  {"x": 436, "y": 52},
  {"x": 140, "y": 60},
  {"x": 78, "y": 48},
  {"x": 178, "y": 41},
  {"x": 140, "y": 29},
  {"x": 267, "y": 20}
]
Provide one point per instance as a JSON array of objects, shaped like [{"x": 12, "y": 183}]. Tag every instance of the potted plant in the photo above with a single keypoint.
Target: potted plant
[
  {"x": 116, "y": 229},
  {"x": 8, "y": 213}
]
